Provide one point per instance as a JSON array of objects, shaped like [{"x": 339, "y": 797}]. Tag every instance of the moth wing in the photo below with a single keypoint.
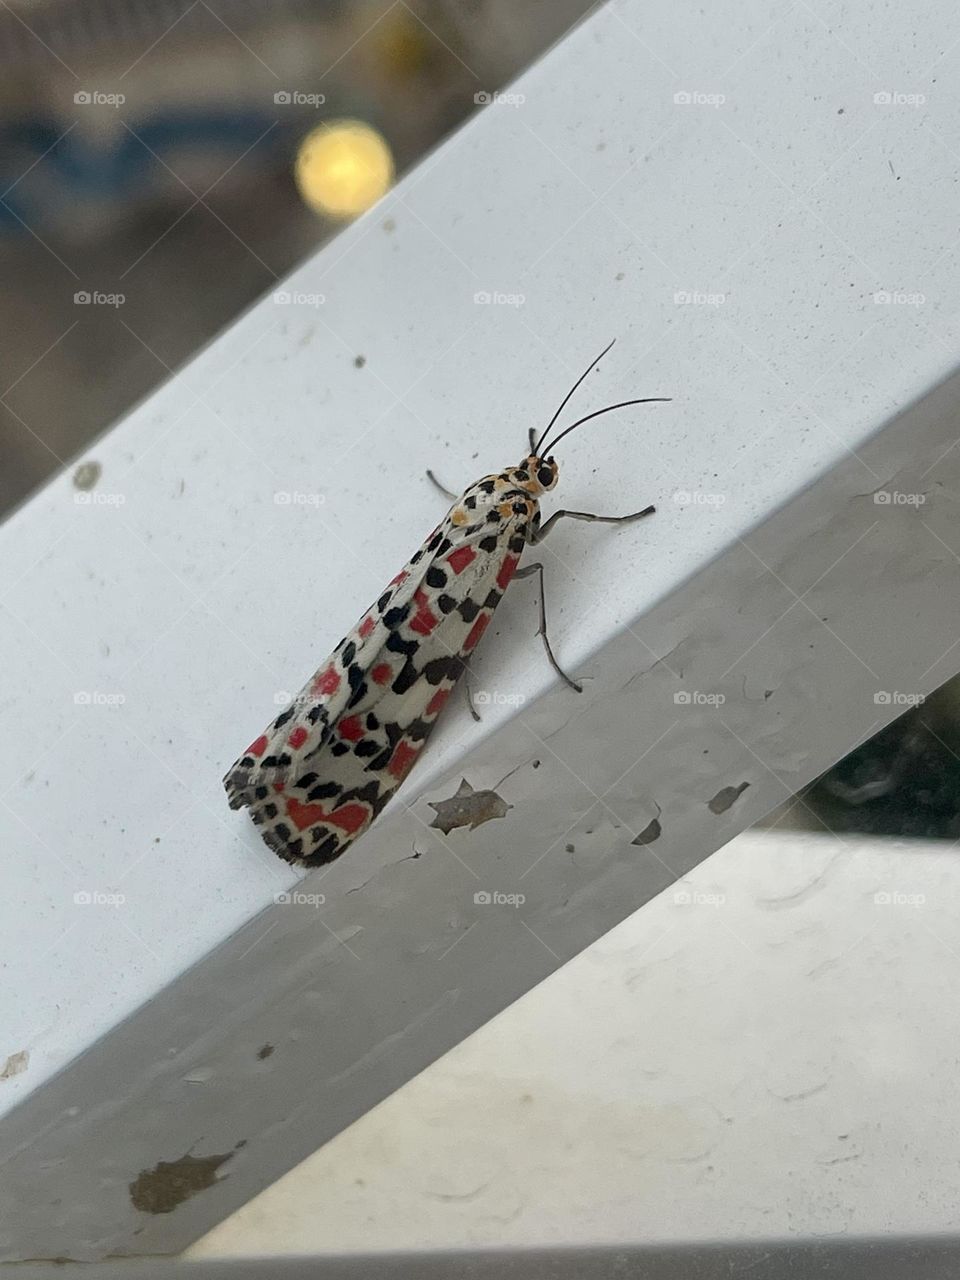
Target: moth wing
[
  {"x": 391, "y": 689},
  {"x": 304, "y": 726}
]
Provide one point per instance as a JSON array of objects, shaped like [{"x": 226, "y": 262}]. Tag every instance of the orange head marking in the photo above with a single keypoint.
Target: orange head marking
[{"x": 535, "y": 475}]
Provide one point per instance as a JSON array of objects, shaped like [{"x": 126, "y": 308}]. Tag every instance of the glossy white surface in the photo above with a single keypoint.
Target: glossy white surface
[{"x": 185, "y": 588}]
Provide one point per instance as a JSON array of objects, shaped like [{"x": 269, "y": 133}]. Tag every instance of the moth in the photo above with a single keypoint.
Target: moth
[{"x": 324, "y": 769}]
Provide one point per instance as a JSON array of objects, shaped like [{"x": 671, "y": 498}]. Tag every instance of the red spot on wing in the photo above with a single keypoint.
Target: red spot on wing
[
  {"x": 459, "y": 559},
  {"x": 259, "y": 747},
  {"x": 402, "y": 759},
  {"x": 476, "y": 631},
  {"x": 437, "y": 701},
  {"x": 382, "y": 673},
  {"x": 507, "y": 570},
  {"x": 304, "y": 815},
  {"x": 366, "y": 626},
  {"x": 349, "y": 817},
  {"x": 328, "y": 681},
  {"x": 425, "y": 619},
  {"x": 278, "y": 786},
  {"x": 401, "y": 577},
  {"x": 298, "y": 736},
  {"x": 350, "y": 728}
]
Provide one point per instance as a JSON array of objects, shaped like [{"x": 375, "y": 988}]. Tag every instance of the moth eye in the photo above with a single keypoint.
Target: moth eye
[{"x": 545, "y": 476}]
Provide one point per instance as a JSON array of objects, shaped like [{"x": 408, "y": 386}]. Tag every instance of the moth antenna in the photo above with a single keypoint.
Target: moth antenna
[
  {"x": 563, "y": 405},
  {"x": 609, "y": 409}
]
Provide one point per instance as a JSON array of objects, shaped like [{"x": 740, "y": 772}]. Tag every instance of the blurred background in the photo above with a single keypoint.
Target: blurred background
[{"x": 163, "y": 164}]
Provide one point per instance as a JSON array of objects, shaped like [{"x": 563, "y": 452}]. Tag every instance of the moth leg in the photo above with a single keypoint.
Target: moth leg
[
  {"x": 448, "y": 493},
  {"x": 525, "y": 572},
  {"x": 466, "y": 688},
  {"x": 538, "y": 535}
]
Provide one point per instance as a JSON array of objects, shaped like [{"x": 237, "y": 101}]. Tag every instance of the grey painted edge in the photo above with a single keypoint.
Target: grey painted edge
[
  {"x": 312, "y": 1013},
  {"x": 856, "y": 1258}
]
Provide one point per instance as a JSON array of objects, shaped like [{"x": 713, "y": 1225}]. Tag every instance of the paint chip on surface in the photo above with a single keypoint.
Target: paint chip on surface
[
  {"x": 652, "y": 831},
  {"x": 170, "y": 1182},
  {"x": 468, "y": 808},
  {"x": 15, "y": 1064},
  {"x": 725, "y": 797},
  {"x": 87, "y": 475}
]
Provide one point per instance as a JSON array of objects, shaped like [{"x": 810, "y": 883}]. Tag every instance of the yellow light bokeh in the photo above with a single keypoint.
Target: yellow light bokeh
[{"x": 343, "y": 168}]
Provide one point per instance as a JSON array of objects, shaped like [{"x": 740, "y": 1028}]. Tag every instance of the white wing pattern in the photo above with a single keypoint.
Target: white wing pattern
[{"x": 327, "y": 765}]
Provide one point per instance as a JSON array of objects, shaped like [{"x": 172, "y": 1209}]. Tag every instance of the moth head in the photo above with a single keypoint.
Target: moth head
[{"x": 543, "y": 473}]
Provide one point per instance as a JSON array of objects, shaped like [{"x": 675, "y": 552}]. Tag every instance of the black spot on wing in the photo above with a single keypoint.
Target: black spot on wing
[
  {"x": 324, "y": 852},
  {"x": 325, "y": 791},
  {"x": 395, "y": 643},
  {"x": 439, "y": 669},
  {"x": 406, "y": 678}
]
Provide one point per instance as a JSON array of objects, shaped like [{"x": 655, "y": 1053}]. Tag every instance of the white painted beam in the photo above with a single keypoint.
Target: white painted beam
[{"x": 780, "y": 201}]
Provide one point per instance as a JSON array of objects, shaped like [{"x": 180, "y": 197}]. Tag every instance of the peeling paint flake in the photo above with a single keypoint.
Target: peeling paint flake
[
  {"x": 468, "y": 808},
  {"x": 170, "y": 1182},
  {"x": 725, "y": 797},
  {"x": 15, "y": 1064},
  {"x": 652, "y": 831}
]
